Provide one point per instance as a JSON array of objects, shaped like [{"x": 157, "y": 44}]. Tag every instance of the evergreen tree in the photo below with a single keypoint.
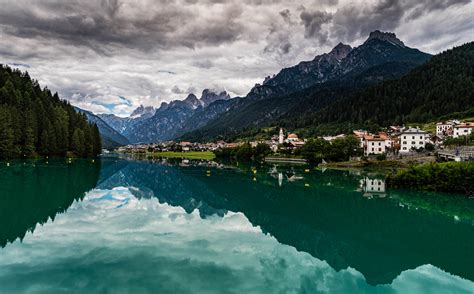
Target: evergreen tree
[{"x": 34, "y": 120}]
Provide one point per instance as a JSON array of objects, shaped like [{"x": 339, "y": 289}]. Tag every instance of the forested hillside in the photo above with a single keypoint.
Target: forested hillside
[
  {"x": 303, "y": 90},
  {"x": 33, "y": 121},
  {"x": 443, "y": 85}
]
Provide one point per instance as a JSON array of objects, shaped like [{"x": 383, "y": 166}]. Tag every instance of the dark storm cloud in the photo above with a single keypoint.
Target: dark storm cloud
[
  {"x": 313, "y": 22},
  {"x": 104, "y": 25},
  {"x": 357, "y": 20}
]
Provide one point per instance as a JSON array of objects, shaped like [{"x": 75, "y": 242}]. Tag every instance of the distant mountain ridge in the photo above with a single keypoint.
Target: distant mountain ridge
[
  {"x": 110, "y": 137},
  {"x": 147, "y": 124},
  {"x": 312, "y": 85}
]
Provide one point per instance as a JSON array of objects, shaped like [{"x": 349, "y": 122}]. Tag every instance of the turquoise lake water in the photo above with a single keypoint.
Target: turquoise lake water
[{"x": 137, "y": 226}]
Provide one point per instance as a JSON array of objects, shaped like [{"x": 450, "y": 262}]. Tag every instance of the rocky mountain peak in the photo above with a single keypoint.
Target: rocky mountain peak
[
  {"x": 340, "y": 51},
  {"x": 209, "y": 96},
  {"x": 192, "y": 101},
  {"x": 143, "y": 111},
  {"x": 385, "y": 36}
]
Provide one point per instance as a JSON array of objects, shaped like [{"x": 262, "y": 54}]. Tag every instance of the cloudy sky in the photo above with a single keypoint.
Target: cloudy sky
[{"x": 111, "y": 56}]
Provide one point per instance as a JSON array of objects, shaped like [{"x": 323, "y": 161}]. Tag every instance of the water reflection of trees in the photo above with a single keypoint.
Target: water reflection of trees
[{"x": 35, "y": 191}]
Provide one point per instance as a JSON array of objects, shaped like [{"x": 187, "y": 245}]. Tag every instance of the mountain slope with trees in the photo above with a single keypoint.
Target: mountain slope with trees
[
  {"x": 110, "y": 137},
  {"x": 443, "y": 85},
  {"x": 33, "y": 121},
  {"x": 310, "y": 86}
]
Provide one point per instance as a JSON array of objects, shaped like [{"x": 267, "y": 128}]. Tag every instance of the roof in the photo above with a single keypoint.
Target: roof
[
  {"x": 446, "y": 123},
  {"x": 374, "y": 138},
  {"x": 414, "y": 131},
  {"x": 465, "y": 125},
  {"x": 293, "y": 136}
]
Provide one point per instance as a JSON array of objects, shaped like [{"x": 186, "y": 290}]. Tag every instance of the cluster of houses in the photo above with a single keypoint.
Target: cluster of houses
[
  {"x": 454, "y": 128},
  {"x": 397, "y": 139},
  {"x": 173, "y": 146}
]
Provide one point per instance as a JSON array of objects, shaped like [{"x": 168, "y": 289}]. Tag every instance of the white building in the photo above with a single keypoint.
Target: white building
[
  {"x": 374, "y": 144},
  {"x": 413, "y": 139},
  {"x": 281, "y": 137},
  {"x": 464, "y": 129},
  {"x": 445, "y": 128},
  {"x": 373, "y": 187}
]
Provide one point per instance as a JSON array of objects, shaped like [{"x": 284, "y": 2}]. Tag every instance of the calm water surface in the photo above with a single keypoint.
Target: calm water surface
[{"x": 125, "y": 226}]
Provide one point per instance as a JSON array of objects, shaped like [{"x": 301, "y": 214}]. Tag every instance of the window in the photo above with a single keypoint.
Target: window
[
  {"x": 413, "y": 137},
  {"x": 421, "y": 143},
  {"x": 404, "y": 137},
  {"x": 404, "y": 142},
  {"x": 380, "y": 149},
  {"x": 404, "y": 148},
  {"x": 421, "y": 137},
  {"x": 372, "y": 149},
  {"x": 380, "y": 144},
  {"x": 413, "y": 142}
]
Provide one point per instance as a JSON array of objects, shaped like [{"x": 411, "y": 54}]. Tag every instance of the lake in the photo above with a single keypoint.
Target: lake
[{"x": 120, "y": 225}]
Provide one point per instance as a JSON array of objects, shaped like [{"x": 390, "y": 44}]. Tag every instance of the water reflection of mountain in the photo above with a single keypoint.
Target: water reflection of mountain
[
  {"x": 324, "y": 216},
  {"x": 168, "y": 183},
  {"x": 34, "y": 192}
]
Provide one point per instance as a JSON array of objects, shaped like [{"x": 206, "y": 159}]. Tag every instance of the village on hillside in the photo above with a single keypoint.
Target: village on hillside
[{"x": 395, "y": 141}]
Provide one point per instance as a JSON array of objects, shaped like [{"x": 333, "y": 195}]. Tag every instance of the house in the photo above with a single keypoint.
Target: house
[
  {"x": 412, "y": 139},
  {"x": 395, "y": 130},
  {"x": 185, "y": 146},
  {"x": 445, "y": 128},
  {"x": 387, "y": 140},
  {"x": 359, "y": 134},
  {"x": 374, "y": 144},
  {"x": 463, "y": 129},
  {"x": 437, "y": 139},
  {"x": 292, "y": 138}
]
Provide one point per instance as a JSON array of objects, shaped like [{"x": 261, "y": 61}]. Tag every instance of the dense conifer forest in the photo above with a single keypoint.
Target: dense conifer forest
[{"x": 33, "y": 121}]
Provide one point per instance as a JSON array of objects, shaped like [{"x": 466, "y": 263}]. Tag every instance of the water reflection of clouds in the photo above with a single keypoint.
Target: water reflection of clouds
[{"x": 144, "y": 245}]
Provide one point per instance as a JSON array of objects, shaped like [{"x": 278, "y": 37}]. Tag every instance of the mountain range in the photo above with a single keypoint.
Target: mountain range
[{"x": 294, "y": 98}]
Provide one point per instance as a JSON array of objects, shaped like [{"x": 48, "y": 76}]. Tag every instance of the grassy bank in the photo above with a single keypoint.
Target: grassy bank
[
  {"x": 206, "y": 155},
  {"x": 451, "y": 177}
]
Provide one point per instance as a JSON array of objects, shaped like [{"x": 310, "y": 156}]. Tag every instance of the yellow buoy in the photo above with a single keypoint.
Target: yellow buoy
[
  {"x": 92, "y": 160},
  {"x": 306, "y": 170},
  {"x": 254, "y": 179},
  {"x": 306, "y": 185},
  {"x": 8, "y": 164}
]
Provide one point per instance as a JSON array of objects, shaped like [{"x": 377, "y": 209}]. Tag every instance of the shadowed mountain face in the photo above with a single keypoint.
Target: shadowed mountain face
[
  {"x": 177, "y": 117},
  {"x": 111, "y": 138}
]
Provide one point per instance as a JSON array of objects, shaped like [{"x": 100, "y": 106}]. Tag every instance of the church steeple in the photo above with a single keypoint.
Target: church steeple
[{"x": 281, "y": 138}]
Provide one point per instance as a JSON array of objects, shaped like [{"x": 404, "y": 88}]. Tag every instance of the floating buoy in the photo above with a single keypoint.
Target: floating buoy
[
  {"x": 306, "y": 170},
  {"x": 254, "y": 179},
  {"x": 8, "y": 164},
  {"x": 254, "y": 171},
  {"x": 306, "y": 185},
  {"x": 92, "y": 160}
]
